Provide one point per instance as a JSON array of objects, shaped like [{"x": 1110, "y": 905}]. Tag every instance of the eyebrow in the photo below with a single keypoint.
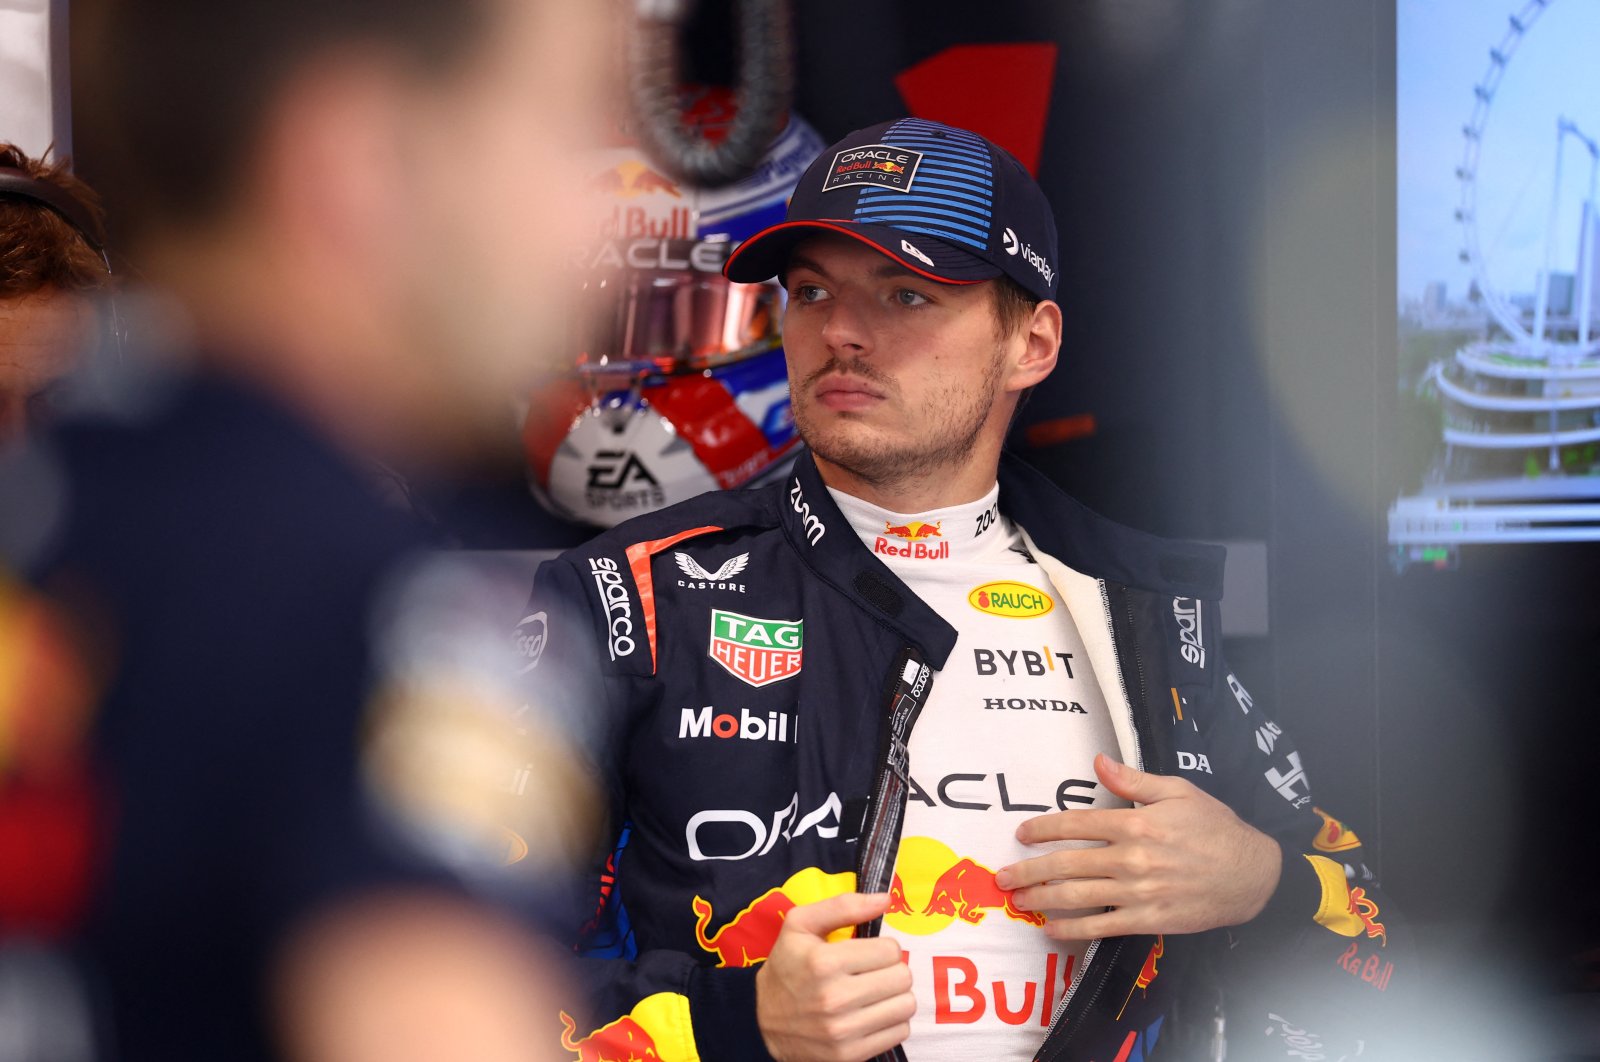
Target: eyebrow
[{"x": 889, "y": 269}]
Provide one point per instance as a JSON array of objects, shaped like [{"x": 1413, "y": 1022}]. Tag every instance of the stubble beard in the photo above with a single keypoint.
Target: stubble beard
[{"x": 951, "y": 426}]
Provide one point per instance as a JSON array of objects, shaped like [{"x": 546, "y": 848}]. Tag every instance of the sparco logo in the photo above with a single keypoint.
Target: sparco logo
[
  {"x": 699, "y": 722},
  {"x": 619, "y": 608},
  {"x": 1187, "y": 611},
  {"x": 1034, "y": 258},
  {"x": 811, "y": 526}
]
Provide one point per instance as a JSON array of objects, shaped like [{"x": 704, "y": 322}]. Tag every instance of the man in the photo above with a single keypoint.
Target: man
[
  {"x": 51, "y": 272},
  {"x": 300, "y": 773},
  {"x": 915, "y": 753}
]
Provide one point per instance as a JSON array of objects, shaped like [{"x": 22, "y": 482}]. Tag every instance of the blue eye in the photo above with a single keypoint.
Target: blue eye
[
  {"x": 807, "y": 293},
  {"x": 907, "y": 297}
]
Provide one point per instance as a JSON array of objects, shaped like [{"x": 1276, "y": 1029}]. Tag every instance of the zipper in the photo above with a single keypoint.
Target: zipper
[
  {"x": 1141, "y": 711},
  {"x": 1127, "y": 651}
]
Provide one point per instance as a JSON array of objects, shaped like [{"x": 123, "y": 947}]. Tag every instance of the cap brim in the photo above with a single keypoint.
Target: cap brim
[{"x": 766, "y": 254}]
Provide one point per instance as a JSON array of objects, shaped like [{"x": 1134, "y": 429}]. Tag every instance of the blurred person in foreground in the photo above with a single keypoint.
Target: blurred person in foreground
[
  {"x": 918, "y": 755},
  {"x": 299, "y": 778},
  {"x": 52, "y": 273}
]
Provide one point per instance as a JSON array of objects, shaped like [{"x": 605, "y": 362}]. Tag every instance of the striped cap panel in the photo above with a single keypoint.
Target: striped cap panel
[{"x": 952, "y": 196}]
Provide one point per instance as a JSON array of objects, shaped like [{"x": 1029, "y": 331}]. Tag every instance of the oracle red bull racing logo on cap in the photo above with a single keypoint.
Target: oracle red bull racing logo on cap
[
  {"x": 877, "y": 165},
  {"x": 1010, "y": 599},
  {"x": 754, "y": 650}
]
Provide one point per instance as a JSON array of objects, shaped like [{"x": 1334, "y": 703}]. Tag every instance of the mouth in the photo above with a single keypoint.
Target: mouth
[{"x": 845, "y": 393}]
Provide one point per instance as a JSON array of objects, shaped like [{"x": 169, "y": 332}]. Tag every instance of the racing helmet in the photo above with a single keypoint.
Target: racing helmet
[{"x": 678, "y": 384}]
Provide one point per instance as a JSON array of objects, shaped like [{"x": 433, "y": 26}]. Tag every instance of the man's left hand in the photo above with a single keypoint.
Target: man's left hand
[{"x": 1181, "y": 863}]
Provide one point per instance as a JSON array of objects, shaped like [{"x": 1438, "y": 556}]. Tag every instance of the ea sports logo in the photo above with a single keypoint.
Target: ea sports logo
[{"x": 1009, "y": 238}]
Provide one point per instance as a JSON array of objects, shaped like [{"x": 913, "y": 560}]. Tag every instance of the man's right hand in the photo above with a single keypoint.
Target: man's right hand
[{"x": 833, "y": 1001}]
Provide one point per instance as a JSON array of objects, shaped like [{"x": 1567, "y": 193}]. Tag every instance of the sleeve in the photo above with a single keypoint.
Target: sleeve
[
  {"x": 659, "y": 1003},
  {"x": 1327, "y": 968}
]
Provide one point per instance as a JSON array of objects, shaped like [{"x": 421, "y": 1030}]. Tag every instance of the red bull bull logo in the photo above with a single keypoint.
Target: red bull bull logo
[
  {"x": 933, "y": 886},
  {"x": 934, "y": 889},
  {"x": 914, "y": 531},
  {"x": 747, "y": 937},
  {"x": 657, "y": 1027},
  {"x": 889, "y": 167},
  {"x": 630, "y": 179},
  {"x": 1010, "y": 599}
]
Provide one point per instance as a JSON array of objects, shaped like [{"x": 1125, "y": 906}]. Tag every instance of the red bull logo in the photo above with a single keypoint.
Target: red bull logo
[
  {"x": 914, "y": 531},
  {"x": 889, "y": 167},
  {"x": 933, "y": 886},
  {"x": 912, "y": 542},
  {"x": 657, "y": 1027},
  {"x": 747, "y": 937},
  {"x": 632, "y": 178}
]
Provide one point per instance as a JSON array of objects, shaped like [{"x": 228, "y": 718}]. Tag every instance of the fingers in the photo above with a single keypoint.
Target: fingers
[
  {"x": 880, "y": 1015},
  {"x": 1064, "y": 864},
  {"x": 1130, "y": 783},
  {"x": 856, "y": 956},
  {"x": 875, "y": 987},
  {"x": 1106, "y": 824},
  {"x": 836, "y": 912},
  {"x": 1072, "y": 895},
  {"x": 1100, "y": 924}
]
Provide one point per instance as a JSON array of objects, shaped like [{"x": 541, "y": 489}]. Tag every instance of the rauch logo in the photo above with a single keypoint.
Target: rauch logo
[
  {"x": 1009, "y": 599},
  {"x": 755, "y": 651}
]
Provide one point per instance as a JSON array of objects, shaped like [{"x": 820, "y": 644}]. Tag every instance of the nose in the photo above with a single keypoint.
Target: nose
[{"x": 844, "y": 330}]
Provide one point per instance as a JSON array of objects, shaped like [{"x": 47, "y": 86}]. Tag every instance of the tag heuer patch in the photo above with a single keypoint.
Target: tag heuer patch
[
  {"x": 879, "y": 165},
  {"x": 754, "y": 650}
]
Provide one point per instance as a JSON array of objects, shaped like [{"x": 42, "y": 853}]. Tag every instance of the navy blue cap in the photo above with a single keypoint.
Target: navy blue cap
[{"x": 941, "y": 201}]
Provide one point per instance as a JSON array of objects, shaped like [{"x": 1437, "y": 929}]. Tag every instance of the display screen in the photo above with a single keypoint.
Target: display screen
[{"x": 1498, "y": 159}]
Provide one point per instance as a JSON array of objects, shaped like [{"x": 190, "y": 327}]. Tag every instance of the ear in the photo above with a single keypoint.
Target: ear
[{"x": 1041, "y": 343}]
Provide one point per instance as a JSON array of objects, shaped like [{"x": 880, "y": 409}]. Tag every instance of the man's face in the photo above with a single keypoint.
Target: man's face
[
  {"x": 495, "y": 180},
  {"x": 892, "y": 375},
  {"x": 42, "y": 337}
]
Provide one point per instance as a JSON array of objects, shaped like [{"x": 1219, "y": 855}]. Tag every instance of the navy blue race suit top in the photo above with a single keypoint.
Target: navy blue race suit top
[{"x": 740, "y": 715}]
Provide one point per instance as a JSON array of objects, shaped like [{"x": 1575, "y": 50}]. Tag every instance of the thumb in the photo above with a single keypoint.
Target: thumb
[
  {"x": 836, "y": 912},
  {"x": 1130, "y": 783}
]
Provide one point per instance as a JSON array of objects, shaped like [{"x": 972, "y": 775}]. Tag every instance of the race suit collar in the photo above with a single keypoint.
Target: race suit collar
[
  {"x": 1060, "y": 525},
  {"x": 829, "y": 545}
]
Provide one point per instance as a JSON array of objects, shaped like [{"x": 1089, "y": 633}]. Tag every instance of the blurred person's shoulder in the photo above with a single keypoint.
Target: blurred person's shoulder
[{"x": 209, "y": 482}]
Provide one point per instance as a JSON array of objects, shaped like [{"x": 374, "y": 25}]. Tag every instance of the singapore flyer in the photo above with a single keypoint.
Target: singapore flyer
[{"x": 1498, "y": 163}]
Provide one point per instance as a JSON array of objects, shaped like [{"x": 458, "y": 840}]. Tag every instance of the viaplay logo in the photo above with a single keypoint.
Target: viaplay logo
[{"x": 1014, "y": 246}]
